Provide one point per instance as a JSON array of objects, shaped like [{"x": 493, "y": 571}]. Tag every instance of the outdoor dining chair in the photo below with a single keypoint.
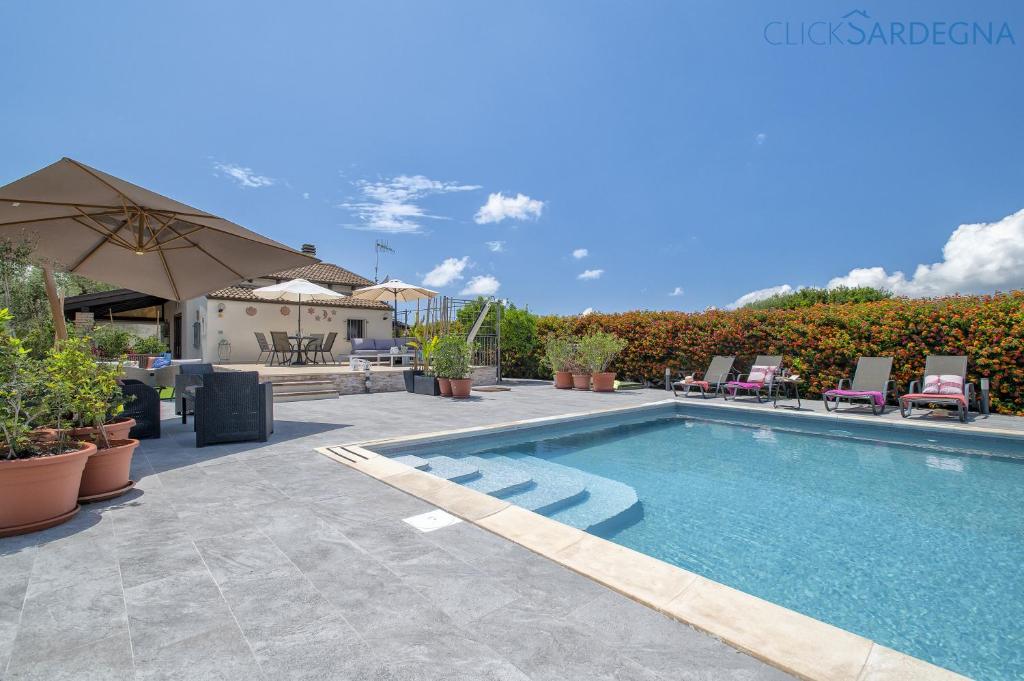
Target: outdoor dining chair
[
  {"x": 282, "y": 348},
  {"x": 314, "y": 342},
  {"x": 870, "y": 384},
  {"x": 265, "y": 349}
]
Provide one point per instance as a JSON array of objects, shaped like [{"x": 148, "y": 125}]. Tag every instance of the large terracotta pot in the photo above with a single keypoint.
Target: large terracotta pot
[
  {"x": 445, "y": 384},
  {"x": 118, "y": 429},
  {"x": 581, "y": 381},
  {"x": 461, "y": 387},
  {"x": 563, "y": 380},
  {"x": 604, "y": 382},
  {"x": 40, "y": 492},
  {"x": 107, "y": 472}
]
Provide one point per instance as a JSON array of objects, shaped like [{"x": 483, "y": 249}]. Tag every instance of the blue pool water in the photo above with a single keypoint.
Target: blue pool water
[{"x": 896, "y": 536}]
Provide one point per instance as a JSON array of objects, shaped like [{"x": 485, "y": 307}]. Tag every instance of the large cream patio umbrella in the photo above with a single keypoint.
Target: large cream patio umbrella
[
  {"x": 295, "y": 290},
  {"x": 86, "y": 222},
  {"x": 394, "y": 290}
]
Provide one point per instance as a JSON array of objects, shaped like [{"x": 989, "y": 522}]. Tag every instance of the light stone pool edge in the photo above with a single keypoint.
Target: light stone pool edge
[{"x": 795, "y": 643}]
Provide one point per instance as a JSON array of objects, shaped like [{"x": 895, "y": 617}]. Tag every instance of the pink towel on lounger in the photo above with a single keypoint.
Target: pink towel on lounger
[
  {"x": 878, "y": 397},
  {"x": 934, "y": 397}
]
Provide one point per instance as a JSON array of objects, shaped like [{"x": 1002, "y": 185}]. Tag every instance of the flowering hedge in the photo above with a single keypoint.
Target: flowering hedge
[{"x": 823, "y": 342}]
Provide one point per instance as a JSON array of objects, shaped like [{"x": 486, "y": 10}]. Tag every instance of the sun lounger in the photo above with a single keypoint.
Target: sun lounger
[
  {"x": 759, "y": 382},
  {"x": 945, "y": 382},
  {"x": 870, "y": 384},
  {"x": 719, "y": 371}
]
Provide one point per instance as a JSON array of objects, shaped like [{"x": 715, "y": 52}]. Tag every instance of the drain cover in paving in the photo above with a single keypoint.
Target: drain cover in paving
[{"x": 434, "y": 520}]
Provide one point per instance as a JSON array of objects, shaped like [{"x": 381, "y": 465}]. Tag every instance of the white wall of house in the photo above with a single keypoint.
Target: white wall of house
[{"x": 230, "y": 320}]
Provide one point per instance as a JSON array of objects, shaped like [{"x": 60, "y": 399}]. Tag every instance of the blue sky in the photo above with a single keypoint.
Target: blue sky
[{"x": 667, "y": 144}]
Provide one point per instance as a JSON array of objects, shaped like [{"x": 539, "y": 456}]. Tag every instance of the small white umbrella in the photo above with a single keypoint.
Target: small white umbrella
[
  {"x": 394, "y": 290},
  {"x": 296, "y": 290}
]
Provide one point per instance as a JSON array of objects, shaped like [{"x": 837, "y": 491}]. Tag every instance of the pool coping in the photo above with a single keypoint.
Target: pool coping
[{"x": 793, "y": 642}]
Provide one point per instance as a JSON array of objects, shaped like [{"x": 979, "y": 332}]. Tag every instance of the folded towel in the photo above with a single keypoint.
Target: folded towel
[
  {"x": 878, "y": 397},
  {"x": 703, "y": 384},
  {"x": 744, "y": 385}
]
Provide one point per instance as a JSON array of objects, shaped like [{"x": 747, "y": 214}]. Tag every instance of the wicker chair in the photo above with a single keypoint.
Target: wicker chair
[
  {"x": 144, "y": 407},
  {"x": 190, "y": 374},
  {"x": 233, "y": 406}
]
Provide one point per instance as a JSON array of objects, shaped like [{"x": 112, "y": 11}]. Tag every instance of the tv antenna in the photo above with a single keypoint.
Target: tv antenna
[{"x": 379, "y": 246}]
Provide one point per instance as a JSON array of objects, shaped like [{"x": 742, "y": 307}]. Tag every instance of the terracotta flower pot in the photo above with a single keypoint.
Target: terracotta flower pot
[
  {"x": 581, "y": 381},
  {"x": 40, "y": 492},
  {"x": 107, "y": 472},
  {"x": 563, "y": 380},
  {"x": 604, "y": 382},
  {"x": 461, "y": 387},
  {"x": 445, "y": 384},
  {"x": 117, "y": 429}
]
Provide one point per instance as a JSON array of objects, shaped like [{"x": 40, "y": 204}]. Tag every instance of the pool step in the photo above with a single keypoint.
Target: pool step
[
  {"x": 497, "y": 478},
  {"x": 456, "y": 470},
  {"x": 555, "y": 486},
  {"x": 413, "y": 461}
]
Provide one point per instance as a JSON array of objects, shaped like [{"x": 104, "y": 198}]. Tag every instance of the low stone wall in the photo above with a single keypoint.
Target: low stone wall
[{"x": 357, "y": 383}]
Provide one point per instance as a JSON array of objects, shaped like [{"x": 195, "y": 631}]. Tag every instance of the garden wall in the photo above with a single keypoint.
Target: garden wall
[{"x": 823, "y": 342}]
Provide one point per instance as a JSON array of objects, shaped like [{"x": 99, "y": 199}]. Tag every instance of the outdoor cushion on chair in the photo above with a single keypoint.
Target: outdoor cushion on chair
[
  {"x": 878, "y": 397},
  {"x": 943, "y": 384},
  {"x": 745, "y": 385},
  {"x": 761, "y": 374}
]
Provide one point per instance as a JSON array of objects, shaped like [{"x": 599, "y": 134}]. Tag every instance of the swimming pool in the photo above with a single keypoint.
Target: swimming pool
[{"x": 907, "y": 537}]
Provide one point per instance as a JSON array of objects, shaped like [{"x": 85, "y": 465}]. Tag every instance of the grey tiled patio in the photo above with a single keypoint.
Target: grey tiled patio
[{"x": 270, "y": 561}]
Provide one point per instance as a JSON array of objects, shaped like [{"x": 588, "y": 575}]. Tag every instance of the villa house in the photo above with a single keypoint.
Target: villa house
[{"x": 220, "y": 326}]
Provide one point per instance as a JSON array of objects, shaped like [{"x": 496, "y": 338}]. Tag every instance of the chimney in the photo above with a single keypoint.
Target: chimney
[{"x": 309, "y": 249}]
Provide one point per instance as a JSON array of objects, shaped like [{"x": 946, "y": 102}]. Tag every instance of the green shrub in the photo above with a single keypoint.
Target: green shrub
[
  {"x": 597, "y": 350},
  {"x": 560, "y": 353},
  {"x": 452, "y": 357},
  {"x": 21, "y": 386},
  {"x": 148, "y": 345},
  {"x": 807, "y": 297},
  {"x": 111, "y": 341},
  {"x": 81, "y": 391}
]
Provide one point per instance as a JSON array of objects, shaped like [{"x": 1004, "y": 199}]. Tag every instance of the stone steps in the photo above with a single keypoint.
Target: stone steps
[
  {"x": 296, "y": 391},
  {"x": 498, "y": 479}
]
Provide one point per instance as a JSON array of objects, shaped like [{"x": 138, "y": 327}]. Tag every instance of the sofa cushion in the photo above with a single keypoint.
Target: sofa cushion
[{"x": 362, "y": 344}]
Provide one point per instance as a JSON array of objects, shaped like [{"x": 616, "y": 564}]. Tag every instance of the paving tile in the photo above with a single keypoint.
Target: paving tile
[
  {"x": 242, "y": 555},
  {"x": 155, "y": 556},
  {"x": 107, "y": 659},
  {"x": 174, "y": 609},
  {"x": 219, "y": 653}
]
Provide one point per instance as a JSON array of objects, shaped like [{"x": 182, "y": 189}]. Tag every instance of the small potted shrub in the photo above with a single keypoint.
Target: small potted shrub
[
  {"x": 452, "y": 362},
  {"x": 596, "y": 352},
  {"x": 559, "y": 352},
  {"x": 86, "y": 394},
  {"x": 39, "y": 476}
]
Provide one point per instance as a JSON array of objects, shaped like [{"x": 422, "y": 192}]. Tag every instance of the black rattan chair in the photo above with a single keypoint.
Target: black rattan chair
[
  {"x": 144, "y": 406},
  {"x": 265, "y": 349},
  {"x": 190, "y": 374},
  {"x": 232, "y": 406}
]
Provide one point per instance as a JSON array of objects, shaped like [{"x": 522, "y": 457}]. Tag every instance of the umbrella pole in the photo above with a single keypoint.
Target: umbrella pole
[
  {"x": 300, "y": 318},
  {"x": 60, "y": 329}
]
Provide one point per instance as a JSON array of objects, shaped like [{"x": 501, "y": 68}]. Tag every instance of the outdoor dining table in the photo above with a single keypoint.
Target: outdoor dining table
[{"x": 300, "y": 349}]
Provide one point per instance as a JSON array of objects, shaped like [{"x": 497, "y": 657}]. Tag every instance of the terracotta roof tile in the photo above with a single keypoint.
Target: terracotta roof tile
[
  {"x": 323, "y": 273},
  {"x": 245, "y": 293}
]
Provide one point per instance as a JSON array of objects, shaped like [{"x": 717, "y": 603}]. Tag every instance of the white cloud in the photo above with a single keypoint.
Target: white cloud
[
  {"x": 977, "y": 258},
  {"x": 760, "y": 138},
  {"x": 305, "y": 195},
  {"x": 481, "y": 285},
  {"x": 580, "y": 253},
  {"x": 759, "y": 294},
  {"x": 677, "y": 291},
  {"x": 590, "y": 274},
  {"x": 499, "y": 207},
  {"x": 495, "y": 246},
  {"x": 448, "y": 271},
  {"x": 244, "y": 176},
  {"x": 589, "y": 310},
  {"x": 391, "y": 205}
]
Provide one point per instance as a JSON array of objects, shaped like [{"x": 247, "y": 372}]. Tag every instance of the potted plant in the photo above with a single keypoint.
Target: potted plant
[
  {"x": 39, "y": 476},
  {"x": 86, "y": 394},
  {"x": 452, "y": 363},
  {"x": 597, "y": 351},
  {"x": 424, "y": 381},
  {"x": 559, "y": 351}
]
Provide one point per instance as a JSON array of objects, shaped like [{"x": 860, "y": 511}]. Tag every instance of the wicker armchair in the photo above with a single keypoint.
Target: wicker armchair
[
  {"x": 190, "y": 374},
  {"x": 233, "y": 406},
  {"x": 144, "y": 407}
]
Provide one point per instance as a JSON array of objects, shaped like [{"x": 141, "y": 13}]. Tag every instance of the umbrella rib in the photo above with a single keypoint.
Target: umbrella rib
[
  {"x": 206, "y": 253},
  {"x": 106, "y": 238},
  {"x": 104, "y": 182},
  {"x": 170, "y": 277},
  {"x": 155, "y": 234},
  {"x": 59, "y": 203},
  {"x": 99, "y": 227},
  {"x": 55, "y": 217}
]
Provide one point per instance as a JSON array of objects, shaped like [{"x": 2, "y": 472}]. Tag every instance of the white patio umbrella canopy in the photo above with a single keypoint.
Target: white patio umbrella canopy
[
  {"x": 394, "y": 290},
  {"x": 295, "y": 290}
]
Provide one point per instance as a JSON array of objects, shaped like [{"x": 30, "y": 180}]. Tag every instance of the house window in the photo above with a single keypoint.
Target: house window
[{"x": 355, "y": 328}]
